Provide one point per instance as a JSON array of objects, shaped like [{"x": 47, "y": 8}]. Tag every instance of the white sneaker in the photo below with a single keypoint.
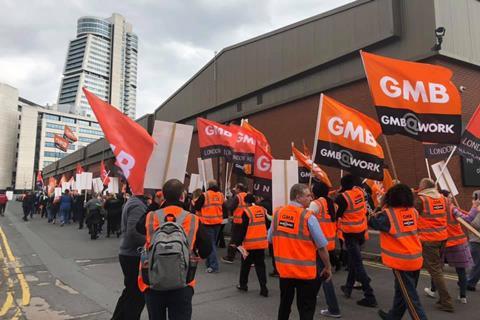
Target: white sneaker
[
  {"x": 462, "y": 300},
  {"x": 328, "y": 314},
  {"x": 429, "y": 293}
]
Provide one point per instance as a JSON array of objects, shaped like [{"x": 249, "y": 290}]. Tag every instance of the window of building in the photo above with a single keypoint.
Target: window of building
[
  {"x": 259, "y": 99},
  {"x": 90, "y": 131},
  {"x": 83, "y": 123},
  {"x": 46, "y": 163},
  {"x": 95, "y": 125},
  {"x": 49, "y": 134},
  {"x": 55, "y": 126},
  {"x": 52, "y": 117},
  {"x": 85, "y": 139},
  {"x": 57, "y": 155},
  {"x": 67, "y": 120}
]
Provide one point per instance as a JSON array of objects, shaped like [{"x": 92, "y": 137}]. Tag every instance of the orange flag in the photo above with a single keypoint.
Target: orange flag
[
  {"x": 307, "y": 162},
  {"x": 261, "y": 139}
]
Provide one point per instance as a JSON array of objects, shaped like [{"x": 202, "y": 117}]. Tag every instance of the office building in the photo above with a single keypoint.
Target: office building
[{"x": 103, "y": 59}]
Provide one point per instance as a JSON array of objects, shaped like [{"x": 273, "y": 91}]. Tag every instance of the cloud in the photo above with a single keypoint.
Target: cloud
[{"x": 176, "y": 38}]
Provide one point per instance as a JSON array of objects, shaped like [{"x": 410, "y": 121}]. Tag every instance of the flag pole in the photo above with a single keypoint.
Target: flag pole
[
  {"x": 390, "y": 157},
  {"x": 315, "y": 140},
  {"x": 446, "y": 163},
  {"x": 428, "y": 168}
]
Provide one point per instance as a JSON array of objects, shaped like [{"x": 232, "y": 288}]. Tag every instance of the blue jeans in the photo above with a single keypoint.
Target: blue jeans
[
  {"x": 212, "y": 260},
  {"x": 406, "y": 296},
  {"x": 64, "y": 215},
  {"x": 474, "y": 275},
  {"x": 328, "y": 289}
]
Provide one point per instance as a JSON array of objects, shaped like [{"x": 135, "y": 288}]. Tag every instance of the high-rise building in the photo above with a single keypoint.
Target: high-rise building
[{"x": 102, "y": 58}]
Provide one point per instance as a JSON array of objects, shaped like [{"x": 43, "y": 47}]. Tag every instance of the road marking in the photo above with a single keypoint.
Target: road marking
[
  {"x": 19, "y": 273},
  {"x": 422, "y": 272},
  {"x": 7, "y": 305},
  {"x": 17, "y": 314}
]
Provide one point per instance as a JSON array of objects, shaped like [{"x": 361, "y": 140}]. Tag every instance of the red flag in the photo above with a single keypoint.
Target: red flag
[
  {"x": 130, "y": 142},
  {"x": 244, "y": 146},
  {"x": 261, "y": 139},
  {"x": 104, "y": 174},
  {"x": 306, "y": 162},
  {"x": 79, "y": 169},
  {"x": 68, "y": 134},
  {"x": 39, "y": 178},
  {"x": 262, "y": 173},
  {"x": 52, "y": 183},
  {"x": 469, "y": 146},
  {"x": 216, "y": 140},
  {"x": 61, "y": 143},
  {"x": 306, "y": 151}
]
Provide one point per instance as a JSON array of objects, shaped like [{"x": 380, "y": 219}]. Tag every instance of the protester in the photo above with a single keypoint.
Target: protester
[
  {"x": 176, "y": 302},
  {"x": 27, "y": 205},
  {"x": 209, "y": 209},
  {"x": 324, "y": 210},
  {"x": 3, "y": 203},
  {"x": 235, "y": 205},
  {"x": 66, "y": 202},
  {"x": 473, "y": 218},
  {"x": 401, "y": 250},
  {"x": 296, "y": 236},
  {"x": 113, "y": 206},
  {"x": 352, "y": 212},
  {"x": 457, "y": 253},
  {"x": 79, "y": 208},
  {"x": 432, "y": 227},
  {"x": 131, "y": 302},
  {"x": 94, "y": 215},
  {"x": 251, "y": 234}
]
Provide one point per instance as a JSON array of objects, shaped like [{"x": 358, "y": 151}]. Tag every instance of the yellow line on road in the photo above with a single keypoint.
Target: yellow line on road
[
  {"x": 19, "y": 273},
  {"x": 9, "y": 300},
  {"x": 423, "y": 272},
  {"x": 17, "y": 314}
]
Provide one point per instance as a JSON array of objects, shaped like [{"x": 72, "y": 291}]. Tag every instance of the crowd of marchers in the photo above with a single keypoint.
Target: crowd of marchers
[{"x": 164, "y": 235}]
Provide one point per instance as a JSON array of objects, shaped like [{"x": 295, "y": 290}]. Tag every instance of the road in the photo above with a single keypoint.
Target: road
[{"x": 55, "y": 273}]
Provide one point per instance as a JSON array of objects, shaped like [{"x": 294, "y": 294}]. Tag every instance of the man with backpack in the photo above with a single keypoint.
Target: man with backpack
[{"x": 175, "y": 241}]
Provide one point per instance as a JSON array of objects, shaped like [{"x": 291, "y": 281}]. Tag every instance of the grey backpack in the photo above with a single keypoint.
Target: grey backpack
[{"x": 169, "y": 254}]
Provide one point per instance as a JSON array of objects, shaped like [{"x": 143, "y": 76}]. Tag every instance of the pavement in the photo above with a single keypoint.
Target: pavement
[{"x": 54, "y": 273}]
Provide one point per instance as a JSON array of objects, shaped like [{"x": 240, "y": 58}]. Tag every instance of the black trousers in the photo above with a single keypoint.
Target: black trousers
[
  {"x": 258, "y": 258},
  {"x": 356, "y": 270},
  {"x": 2, "y": 208},
  {"x": 406, "y": 296},
  {"x": 306, "y": 298},
  {"x": 131, "y": 303},
  {"x": 178, "y": 304}
]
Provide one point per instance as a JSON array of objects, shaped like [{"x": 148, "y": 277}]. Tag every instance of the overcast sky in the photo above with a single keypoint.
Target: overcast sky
[{"x": 176, "y": 38}]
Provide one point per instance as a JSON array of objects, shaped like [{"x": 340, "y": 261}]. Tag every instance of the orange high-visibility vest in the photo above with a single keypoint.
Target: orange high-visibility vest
[
  {"x": 354, "y": 218},
  {"x": 152, "y": 223},
  {"x": 256, "y": 237},
  {"x": 456, "y": 235},
  {"x": 294, "y": 250},
  {"x": 401, "y": 246},
  {"x": 238, "y": 212},
  {"x": 329, "y": 227},
  {"x": 211, "y": 212},
  {"x": 432, "y": 223}
]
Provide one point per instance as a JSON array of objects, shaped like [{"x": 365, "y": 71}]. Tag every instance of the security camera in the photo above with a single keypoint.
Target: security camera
[{"x": 462, "y": 88}]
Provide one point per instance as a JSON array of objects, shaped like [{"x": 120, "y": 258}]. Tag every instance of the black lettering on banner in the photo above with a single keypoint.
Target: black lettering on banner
[
  {"x": 436, "y": 128},
  {"x": 358, "y": 163},
  {"x": 286, "y": 224}
]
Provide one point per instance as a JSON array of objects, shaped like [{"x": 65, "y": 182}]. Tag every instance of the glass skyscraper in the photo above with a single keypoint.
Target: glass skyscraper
[{"x": 103, "y": 58}]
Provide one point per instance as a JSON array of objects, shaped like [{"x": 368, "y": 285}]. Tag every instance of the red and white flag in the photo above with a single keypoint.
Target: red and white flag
[
  {"x": 79, "y": 169},
  {"x": 104, "y": 174},
  {"x": 130, "y": 142},
  {"x": 39, "y": 178}
]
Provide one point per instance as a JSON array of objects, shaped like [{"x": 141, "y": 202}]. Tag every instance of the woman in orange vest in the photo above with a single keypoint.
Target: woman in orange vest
[
  {"x": 324, "y": 209},
  {"x": 252, "y": 236},
  {"x": 457, "y": 252},
  {"x": 401, "y": 250}
]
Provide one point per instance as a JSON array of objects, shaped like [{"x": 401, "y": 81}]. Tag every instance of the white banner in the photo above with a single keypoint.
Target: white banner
[
  {"x": 84, "y": 181},
  {"x": 65, "y": 186},
  {"x": 113, "y": 185},
  {"x": 97, "y": 185},
  {"x": 58, "y": 192},
  {"x": 445, "y": 182},
  {"x": 9, "y": 195},
  {"x": 205, "y": 167},
  {"x": 284, "y": 176},
  {"x": 170, "y": 154},
  {"x": 195, "y": 182}
]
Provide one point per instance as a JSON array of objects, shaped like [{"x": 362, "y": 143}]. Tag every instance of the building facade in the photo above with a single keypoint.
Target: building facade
[{"x": 103, "y": 59}]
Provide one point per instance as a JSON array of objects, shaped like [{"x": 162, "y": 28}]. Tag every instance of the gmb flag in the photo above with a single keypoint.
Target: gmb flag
[
  {"x": 216, "y": 140},
  {"x": 414, "y": 99},
  {"x": 347, "y": 139},
  {"x": 469, "y": 146}
]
